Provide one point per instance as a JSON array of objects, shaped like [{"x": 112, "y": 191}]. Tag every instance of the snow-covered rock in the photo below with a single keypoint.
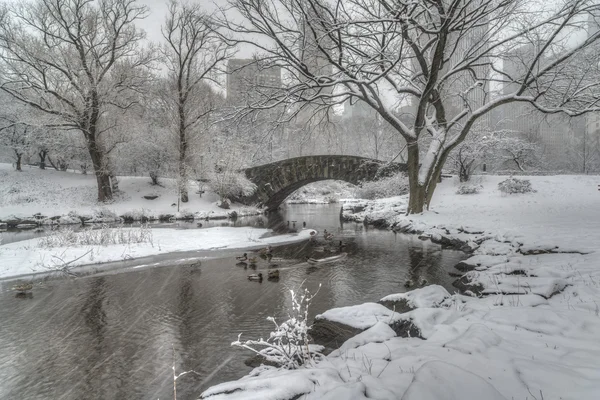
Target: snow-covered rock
[{"x": 429, "y": 296}]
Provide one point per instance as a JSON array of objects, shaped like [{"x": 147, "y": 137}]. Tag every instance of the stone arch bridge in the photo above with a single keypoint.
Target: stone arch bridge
[{"x": 276, "y": 181}]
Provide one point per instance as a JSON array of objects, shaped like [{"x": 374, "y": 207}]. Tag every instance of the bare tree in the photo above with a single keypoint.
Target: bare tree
[
  {"x": 75, "y": 60},
  {"x": 193, "y": 53},
  {"x": 441, "y": 58}
]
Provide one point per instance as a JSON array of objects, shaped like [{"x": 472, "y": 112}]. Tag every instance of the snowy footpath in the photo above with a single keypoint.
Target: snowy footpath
[
  {"x": 527, "y": 325},
  {"x": 35, "y": 256}
]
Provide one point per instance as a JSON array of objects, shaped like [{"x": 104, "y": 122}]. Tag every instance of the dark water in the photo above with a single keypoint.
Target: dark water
[{"x": 112, "y": 336}]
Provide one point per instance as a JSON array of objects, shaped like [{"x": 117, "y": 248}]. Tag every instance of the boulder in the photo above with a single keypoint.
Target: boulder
[
  {"x": 330, "y": 333},
  {"x": 465, "y": 284},
  {"x": 405, "y": 328}
]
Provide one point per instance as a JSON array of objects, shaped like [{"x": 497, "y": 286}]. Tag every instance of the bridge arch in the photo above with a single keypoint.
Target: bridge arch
[{"x": 276, "y": 181}]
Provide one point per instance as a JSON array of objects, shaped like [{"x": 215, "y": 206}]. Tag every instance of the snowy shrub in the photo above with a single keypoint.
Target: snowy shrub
[
  {"x": 103, "y": 237},
  {"x": 332, "y": 199},
  {"x": 230, "y": 184},
  {"x": 287, "y": 345},
  {"x": 104, "y": 214},
  {"x": 514, "y": 185},
  {"x": 395, "y": 185},
  {"x": 468, "y": 189}
]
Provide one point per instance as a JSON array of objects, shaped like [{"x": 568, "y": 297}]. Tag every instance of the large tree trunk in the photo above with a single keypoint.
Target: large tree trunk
[
  {"x": 416, "y": 198},
  {"x": 100, "y": 170},
  {"x": 97, "y": 154},
  {"x": 421, "y": 193}
]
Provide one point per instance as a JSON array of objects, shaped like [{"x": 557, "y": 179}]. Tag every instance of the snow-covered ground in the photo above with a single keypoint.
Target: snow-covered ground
[
  {"x": 322, "y": 192},
  {"x": 28, "y": 257},
  {"x": 57, "y": 193},
  {"x": 534, "y": 334}
]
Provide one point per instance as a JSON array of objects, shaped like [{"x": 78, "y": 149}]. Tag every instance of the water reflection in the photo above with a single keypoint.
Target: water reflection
[{"x": 112, "y": 336}]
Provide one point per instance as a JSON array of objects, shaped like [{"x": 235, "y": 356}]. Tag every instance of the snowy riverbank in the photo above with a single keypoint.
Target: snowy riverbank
[
  {"x": 532, "y": 333},
  {"x": 44, "y": 197},
  {"x": 28, "y": 257}
]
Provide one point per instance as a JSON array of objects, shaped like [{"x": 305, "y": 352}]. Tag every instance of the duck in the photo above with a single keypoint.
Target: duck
[
  {"x": 23, "y": 287},
  {"x": 409, "y": 283},
  {"x": 195, "y": 265},
  {"x": 273, "y": 274},
  {"x": 243, "y": 257},
  {"x": 423, "y": 282},
  {"x": 252, "y": 260},
  {"x": 256, "y": 277}
]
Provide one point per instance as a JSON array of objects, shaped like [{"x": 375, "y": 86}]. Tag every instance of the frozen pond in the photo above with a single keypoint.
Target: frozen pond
[{"x": 110, "y": 336}]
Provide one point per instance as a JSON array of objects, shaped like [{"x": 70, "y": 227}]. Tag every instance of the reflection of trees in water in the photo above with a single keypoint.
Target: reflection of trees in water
[
  {"x": 423, "y": 260},
  {"x": 93, "y": 310},
  {"x": 94, "y": 318}
]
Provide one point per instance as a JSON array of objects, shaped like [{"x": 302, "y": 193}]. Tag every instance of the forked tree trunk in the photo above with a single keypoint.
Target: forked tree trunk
[
  {"x": 421, "y": 194},
  {"x": 42, "y": 154},
  {"x": 18, "y": 162}
]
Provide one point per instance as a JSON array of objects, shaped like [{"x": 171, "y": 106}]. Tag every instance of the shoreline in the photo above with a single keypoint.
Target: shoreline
[
  {"x": 27, "y": 259},
  {"x": 531, "y": 303}
]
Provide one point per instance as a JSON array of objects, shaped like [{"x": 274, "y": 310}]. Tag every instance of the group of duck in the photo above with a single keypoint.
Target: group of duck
[{"x": 267, "y": 254}]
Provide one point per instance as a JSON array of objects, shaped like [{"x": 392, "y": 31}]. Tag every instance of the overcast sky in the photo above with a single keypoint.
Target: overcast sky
[{"x": 158, "y": 11}]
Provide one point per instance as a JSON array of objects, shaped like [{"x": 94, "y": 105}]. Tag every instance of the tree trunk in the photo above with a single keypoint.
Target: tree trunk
[
  {"x": 154, "y": 177},
  {"x": 18, "y": 163},
  {"x": 422, "y": 193},
  {"x": 42, "y": 154},
  {"x": 416, "y": 198},
  {"x": 100, "y": 170},
  {"x": 183, "y": 191}
]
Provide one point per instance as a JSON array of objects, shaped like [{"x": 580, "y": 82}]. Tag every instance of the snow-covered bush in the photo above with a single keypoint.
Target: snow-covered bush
[
  {"x": 229, "y": 184},
  {"x": 468, "y": 189},
  {"x": 514, "y": 185},
  {"x": 395, "y": 185},
  {"x": 89, "y": 237},
  {"x": 287, "y": 345}
]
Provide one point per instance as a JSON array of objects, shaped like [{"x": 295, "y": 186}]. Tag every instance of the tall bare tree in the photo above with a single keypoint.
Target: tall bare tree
[
  {"x": 75, "y": 60},
  {"x": 193, "y": 54},
  {"x": 443, "y": 59}
]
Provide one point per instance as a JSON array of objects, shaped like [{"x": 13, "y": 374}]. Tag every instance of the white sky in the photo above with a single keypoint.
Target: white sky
[{"x": 158, "y": 11}]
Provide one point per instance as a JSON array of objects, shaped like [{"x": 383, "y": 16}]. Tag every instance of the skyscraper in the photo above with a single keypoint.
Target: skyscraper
[{"x": 247, "y": 81}]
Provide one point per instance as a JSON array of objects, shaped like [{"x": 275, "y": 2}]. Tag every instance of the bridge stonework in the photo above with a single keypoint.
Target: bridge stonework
[{"x": 276, "y": 181}]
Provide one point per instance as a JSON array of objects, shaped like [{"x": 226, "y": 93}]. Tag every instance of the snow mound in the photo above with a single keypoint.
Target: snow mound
[
  {"x": 380, "y": 332},
  {"x": 362, "y": 316},
  {"x": 437, "y": 380},
  {"x": 429, "y": 296},
  {"x": 477, "y": 339},
  {"x": 274, "y": 385}
]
